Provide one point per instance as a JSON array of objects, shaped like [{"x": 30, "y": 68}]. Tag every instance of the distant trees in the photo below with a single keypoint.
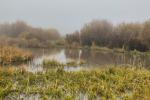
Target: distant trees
[
  {"x": 129, "y": 36},
  {"x": 13, "y": 29},
  {"x": 126, "y": 34},
  {"x": 75, "y": 37},
  {"x": 146, "y": 32},
  {"x": 25, "y": 35},
  {"x": 103, "y": 33}
]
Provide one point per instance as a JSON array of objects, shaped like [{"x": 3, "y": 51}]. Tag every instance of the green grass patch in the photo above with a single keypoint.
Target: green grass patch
[
  {"x": 109, "y": 83},
  {"x": 56, "y": 64}
]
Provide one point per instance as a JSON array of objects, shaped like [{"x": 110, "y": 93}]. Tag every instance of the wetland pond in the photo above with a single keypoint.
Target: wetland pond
[
  {"x": 92, "y": 58},
  {"x": 39, "y": 82}
]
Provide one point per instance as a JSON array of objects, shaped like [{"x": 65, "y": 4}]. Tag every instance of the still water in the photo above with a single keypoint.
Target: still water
[{"x": 92, "y": 58}]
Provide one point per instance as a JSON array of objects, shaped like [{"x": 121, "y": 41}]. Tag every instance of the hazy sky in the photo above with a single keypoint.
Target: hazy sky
[{"x": 70, "y": 15}]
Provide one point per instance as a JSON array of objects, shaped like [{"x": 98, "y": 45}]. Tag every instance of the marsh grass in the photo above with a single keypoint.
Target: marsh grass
[
  {"x": 56, "y": 64},
  {"x": 11, "y": 55},
  {"x": 109, "y": 83},
  {"x": 52, "y": 63}
]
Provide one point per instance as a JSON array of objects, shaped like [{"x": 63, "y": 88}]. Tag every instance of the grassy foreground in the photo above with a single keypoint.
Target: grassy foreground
[{"x": 110, "y": 83}]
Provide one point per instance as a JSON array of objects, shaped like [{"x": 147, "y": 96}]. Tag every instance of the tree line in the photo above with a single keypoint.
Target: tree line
[
  {"x": 21, "y": 34},
  {"x": 129, "y": 36}
]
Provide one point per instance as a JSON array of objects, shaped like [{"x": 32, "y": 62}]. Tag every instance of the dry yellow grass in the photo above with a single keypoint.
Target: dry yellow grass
[{"x": 9, "y": 55}]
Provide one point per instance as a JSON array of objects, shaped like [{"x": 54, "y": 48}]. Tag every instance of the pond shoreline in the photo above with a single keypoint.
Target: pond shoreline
[
  {"x": 103, "y": 49},
  {"x": 72, "y": 80}
]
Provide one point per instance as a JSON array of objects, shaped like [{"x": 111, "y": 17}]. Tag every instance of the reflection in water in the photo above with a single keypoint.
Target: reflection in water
[
  {"x": 24, "y": 97},
  {"x": 78, "y": 68},
  {"x": 98, "y": 58},
  {"x": 80, "y": 53},
  {"x": 92, "y": 58}
]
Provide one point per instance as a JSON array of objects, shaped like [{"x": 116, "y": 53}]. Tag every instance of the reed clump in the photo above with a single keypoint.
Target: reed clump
[
  {"x": 56, "y": 64},
  {"x": 109, "y": 83},
  {"x": 52, "y": 63},
  {"x": 11, "y": 55}
]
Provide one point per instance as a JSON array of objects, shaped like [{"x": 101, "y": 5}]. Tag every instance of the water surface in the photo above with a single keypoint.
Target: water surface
[{"x": 93, "y": 58}]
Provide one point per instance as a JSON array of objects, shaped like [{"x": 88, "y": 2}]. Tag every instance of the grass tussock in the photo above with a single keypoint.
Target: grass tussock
[
  {"x": 110, "y": 83},
  {"x": 56, "y": 64},
  {"x": 10, "y": 55},
  {"x": 52, "y": 63}
]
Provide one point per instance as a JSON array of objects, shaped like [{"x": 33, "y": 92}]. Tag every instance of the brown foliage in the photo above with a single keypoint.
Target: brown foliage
[
  {"x": 21, "y": 34},
  {"x": 129, "y": 36}
]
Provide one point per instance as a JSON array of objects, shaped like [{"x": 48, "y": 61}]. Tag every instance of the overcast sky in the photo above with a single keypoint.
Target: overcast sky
[{"x": 70, "y": 15}]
